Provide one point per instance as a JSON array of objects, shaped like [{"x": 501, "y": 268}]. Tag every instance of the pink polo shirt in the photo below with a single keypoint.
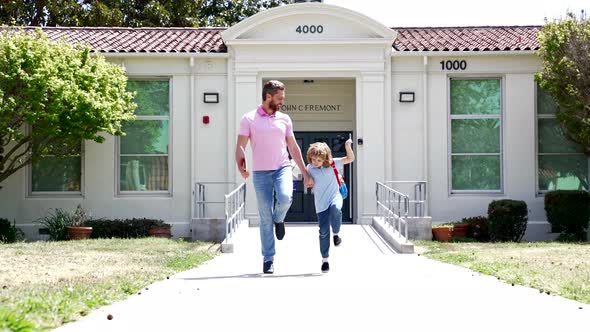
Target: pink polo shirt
[{"x": 268, "y": 136}]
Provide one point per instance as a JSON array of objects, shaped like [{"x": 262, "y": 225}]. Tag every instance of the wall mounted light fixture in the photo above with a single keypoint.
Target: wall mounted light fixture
[
  {"x": 211, "y": 97},
  {"x": 406, "y": 97}
]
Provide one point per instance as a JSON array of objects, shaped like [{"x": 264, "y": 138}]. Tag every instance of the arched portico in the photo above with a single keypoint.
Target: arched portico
[{"x": 319, "y": 41}]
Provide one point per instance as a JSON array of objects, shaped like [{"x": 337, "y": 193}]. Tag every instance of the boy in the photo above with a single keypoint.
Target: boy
[{"x": 327, "y": 197}]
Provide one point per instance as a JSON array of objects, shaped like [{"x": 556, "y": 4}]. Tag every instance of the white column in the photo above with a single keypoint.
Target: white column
[
  {"x": 371, "y": 155},
  {"x": 387, "y": 124},
  {"x": 246, "y": 99}
]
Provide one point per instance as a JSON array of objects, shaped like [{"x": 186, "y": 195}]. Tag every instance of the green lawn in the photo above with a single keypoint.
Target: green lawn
[
  {"x": 46, "y": 284},
  {"x": 551, "y": 267}
]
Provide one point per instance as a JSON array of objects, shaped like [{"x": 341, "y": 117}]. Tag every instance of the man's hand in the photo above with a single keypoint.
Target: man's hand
[
  {"x": 241, "y": 156},
  {"x": 243, "y": 170},
  {"x": 307, "y": 180}
]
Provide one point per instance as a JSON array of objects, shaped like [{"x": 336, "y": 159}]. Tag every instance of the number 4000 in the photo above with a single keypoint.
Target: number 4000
[{"x": 310, "y": 29}]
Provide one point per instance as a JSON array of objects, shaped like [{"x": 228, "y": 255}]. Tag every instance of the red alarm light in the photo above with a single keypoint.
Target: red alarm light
[{"x": 206, "y": 119}]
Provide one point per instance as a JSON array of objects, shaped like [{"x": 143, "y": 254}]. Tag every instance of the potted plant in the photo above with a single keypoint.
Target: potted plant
[
  {"x": 158, "y": 228},
  {"x": 76, "y": 228},
  {"x": 460, "y": 229},
  {"x": 442, "y": 232}
]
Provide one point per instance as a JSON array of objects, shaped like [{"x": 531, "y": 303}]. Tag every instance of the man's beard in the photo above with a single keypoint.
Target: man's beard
[{"x": 273, "y": 106}]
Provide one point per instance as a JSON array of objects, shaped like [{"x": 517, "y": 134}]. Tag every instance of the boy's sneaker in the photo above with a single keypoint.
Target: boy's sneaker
[
  {"x": 280, "y": 230},
  {"x": 325, "y": 267},
  {"x": 268, "y": 267},
  {"x": 337, "y": 240}
]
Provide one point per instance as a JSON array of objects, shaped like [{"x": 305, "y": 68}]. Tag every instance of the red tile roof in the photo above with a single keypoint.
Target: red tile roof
[
  {"x": 208, "y": 40},
  {"x": 500, "y": 38},
  {"x": 144, "y": 40}
]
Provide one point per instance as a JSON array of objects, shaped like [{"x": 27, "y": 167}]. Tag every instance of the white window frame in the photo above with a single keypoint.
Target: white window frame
[
  {"x": 450, "y": 154},
  {"x": 159, "y": 193}
]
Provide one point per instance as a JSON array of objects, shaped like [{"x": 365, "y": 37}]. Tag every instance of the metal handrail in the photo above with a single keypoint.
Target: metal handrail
[
  {"x": 393, "y": 207},
  {"x": 420, "y": 200},
  {"x": 201, "y": 200},
  {"x": 235, "y": 210},
  {"x": 234, "y": 205}
]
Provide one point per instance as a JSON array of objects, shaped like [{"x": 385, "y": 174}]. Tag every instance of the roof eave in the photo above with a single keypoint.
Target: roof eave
[
  {"x": 396, "y": 53},
  {"x": 218, "y": 55}
]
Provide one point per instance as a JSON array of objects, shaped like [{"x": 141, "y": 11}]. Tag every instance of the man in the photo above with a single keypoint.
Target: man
[{"x": 271, "y": 134}]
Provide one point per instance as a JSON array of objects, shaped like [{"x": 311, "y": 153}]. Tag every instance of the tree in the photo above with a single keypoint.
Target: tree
[
  {"x": 24, "y": 12},
  {"x": 565, "y": 55},
  {"x": 54, "y": 95},
  {"x": 227, "y": 13},
  {"x": 131, "y": 13}
]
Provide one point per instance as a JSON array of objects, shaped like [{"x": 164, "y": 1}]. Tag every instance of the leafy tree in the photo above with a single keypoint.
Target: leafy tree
[
  {"x": 53, "y": 95},
  {"x": 565, "y": 54},
  {"x": 131, "y": 13},
  {"x": 63, "y": 13},
  {"x": 23, "y": 12},
  {"x": 227, "y": 13}
]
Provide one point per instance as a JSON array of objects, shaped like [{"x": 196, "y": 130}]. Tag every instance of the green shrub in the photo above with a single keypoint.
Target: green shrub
[
  {"x": 568, "y": 212},
  {"x": 507, "y": 220},
  {"x": 56, "y": 223},
  {"x": 9, "y": 233},
  {"x": 479, "y": 228},
  {"x": 124, "y": 228}
]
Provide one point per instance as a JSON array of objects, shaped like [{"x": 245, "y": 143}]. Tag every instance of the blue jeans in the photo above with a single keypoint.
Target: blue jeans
[
  {"x": 329, "y": 217},
  {"x": 274, "y": 193}
]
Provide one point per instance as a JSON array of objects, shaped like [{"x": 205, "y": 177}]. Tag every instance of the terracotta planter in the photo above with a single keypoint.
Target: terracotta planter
[
  {"x": 442, "y": 234},
  {"x": 460, "y": 230},
  {"x": 79, "y": 232},
  {"x": 160, "y": 232}
]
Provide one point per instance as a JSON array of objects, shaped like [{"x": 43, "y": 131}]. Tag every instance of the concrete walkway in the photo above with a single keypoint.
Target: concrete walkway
[{"x": 369, "y": 288}]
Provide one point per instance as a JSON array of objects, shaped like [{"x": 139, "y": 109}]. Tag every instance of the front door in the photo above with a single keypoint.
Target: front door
[{"x": 302, "y": 208}]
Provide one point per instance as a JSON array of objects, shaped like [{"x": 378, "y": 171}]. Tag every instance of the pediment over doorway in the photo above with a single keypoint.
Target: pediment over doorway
[{"x": 308, "y": 23}]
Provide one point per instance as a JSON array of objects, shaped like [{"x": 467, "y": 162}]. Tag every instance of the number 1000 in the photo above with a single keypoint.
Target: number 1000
[{"x": 453, "y": 65}]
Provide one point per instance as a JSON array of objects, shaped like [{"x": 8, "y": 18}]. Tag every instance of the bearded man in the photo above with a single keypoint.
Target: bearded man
[{"x": 271, "y": 133}]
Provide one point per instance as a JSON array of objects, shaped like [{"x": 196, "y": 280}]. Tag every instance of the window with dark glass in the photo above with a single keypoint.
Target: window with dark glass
[
  {"x": 561, "y": 162},
  {"x": 52, "y": 174},
  {"x": 476, "y": 134},
  {"x": 144, "y": 158}
]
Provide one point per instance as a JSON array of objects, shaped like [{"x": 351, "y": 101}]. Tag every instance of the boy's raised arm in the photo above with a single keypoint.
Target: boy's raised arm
[{"x": 349, "y": 153}]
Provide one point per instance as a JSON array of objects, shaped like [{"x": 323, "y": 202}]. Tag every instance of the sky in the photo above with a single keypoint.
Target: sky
[{"x": 438, "y": 13}]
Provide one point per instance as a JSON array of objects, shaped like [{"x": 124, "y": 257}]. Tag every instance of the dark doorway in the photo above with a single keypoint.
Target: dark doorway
[{"x": 303, "y": 209}]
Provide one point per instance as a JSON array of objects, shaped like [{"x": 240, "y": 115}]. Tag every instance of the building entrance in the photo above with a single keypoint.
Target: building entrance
[{"x": 303, "y": 209}]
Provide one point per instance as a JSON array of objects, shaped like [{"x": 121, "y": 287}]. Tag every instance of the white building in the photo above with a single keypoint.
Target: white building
[{"x": 456, "y": 107}]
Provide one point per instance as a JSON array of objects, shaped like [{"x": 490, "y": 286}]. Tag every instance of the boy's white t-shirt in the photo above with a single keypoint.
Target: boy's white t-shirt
[{"x": 325, "y": 188}]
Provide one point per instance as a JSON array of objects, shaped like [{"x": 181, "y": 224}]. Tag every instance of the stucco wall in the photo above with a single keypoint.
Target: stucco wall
[{"x": 518, "y": 132}]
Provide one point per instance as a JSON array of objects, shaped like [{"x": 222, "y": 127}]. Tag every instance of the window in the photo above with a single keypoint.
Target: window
[
  {"x": 144, "y": 151},
  {"x": 50, "y": 174},
  {"x": 476, "y": 135},
  {"x": 561, "y": 162}
]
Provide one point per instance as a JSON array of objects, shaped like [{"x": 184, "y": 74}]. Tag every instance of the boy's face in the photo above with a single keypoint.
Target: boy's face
[{"x": 317, "y": 161}]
